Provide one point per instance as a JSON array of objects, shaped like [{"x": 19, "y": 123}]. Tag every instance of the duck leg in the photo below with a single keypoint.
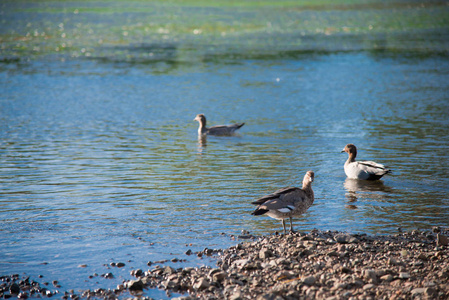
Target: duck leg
[
  {"x": 283, "y": 225},
  {"x": 291, "y": 226}
]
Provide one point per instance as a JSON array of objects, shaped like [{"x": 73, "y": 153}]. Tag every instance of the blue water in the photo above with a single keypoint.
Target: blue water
[{"x": 100, "y": 162}]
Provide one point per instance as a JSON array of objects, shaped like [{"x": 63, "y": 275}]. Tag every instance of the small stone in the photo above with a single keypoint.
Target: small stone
[
  {"x": 396, "y": 283},
  {"x": 394, "y": 262},
  {"x": 14, "y": 288},
  {"x": 418, "y": 291},
  {"x": 341, "y": 247},
  {"x": 347, "y": 295},
  {"x": 426, "y": 291},
  {"x": 236, "y": 296},
  {"x": 137, "y": 273},
  {"x": 120, "y": 265},
  {"x": 368, "y": 286},
  {"x": 340, "y": 285},
  {"x": 265, "y": 253},
  {"x": 404, "y": 275},
  {"x": 387, "y": 278},
  {"x": 219, "y": 276},
  {"x": 134, "y": 285},
  {"x": 82, "y": 266},
  {"x": 370, "y": 275},
  {"x": 345, "y": 239},
  {"x": 201, "y": 284},
  {"x": 422, "y": 256},
  {"x": 309, "y": 280},
  {"x": 442, "y": 240},
  {"x": 430, "y": 291},
  {"x": 189, "y": 252},
  {"x": 168, "y": 270}
]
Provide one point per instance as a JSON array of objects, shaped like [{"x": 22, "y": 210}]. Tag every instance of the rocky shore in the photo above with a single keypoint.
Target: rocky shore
[{"x": 316, "y": 265}]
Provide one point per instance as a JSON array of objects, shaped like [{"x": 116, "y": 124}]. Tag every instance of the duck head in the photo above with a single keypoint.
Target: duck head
[
  {"x": 201, "y": 118},
  {"x": 308, "y": 178}
]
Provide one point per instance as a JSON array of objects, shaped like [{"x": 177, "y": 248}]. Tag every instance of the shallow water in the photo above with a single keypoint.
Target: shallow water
[{"x": 101, "y": 162}]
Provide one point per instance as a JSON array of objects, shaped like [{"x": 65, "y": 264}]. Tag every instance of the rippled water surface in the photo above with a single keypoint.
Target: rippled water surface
[{"x": 100, "y": 160}]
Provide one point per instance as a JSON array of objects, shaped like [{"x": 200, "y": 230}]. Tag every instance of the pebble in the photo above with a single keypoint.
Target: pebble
[
  {"x": 442, "y": 240},
  {"x": 309, "y": 280},
  {"x": 134, "y": 285}
]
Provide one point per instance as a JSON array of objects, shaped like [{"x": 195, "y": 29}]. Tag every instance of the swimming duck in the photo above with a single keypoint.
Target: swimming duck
[
  {"x": 287, "y": 202},
  {"x": 367, "y": 170},
  {"x": 216, "y": 130}
]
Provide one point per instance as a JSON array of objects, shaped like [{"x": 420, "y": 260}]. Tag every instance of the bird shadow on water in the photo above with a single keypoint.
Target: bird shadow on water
[{"x": 364, "y": 189}]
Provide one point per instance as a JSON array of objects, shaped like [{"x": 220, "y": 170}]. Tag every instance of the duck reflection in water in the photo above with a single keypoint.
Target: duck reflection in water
[
  {"x": 364, "y": 189},
  {"x": 202, "y": 143}
]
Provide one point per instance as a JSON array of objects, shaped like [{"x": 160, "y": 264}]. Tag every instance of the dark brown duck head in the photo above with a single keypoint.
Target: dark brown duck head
[
  {"x": 351, "y": 150},
  {"x": 201, "y": 118}
]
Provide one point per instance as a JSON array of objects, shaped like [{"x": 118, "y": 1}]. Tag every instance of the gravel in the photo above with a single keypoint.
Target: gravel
[{"x": 316, "y": 265}]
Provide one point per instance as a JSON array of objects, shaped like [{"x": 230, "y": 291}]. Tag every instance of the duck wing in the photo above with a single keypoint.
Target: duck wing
[
  {"x": 224, "y": 129},
  {"x": 285, "y": 201},
  {"x": 373, "y": 167},
  {"x": 278, "y": 194}
]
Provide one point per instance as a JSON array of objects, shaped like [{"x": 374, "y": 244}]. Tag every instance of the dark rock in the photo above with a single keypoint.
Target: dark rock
[
  {"x": 14, "y": 288},
  {"x": 309, "y": 280},
  {"x": 134, "y": 285},
  {"x": 137, "y": 273},
  {"x": 345, "y": 239},
  {"x": 442, "y": 240}
]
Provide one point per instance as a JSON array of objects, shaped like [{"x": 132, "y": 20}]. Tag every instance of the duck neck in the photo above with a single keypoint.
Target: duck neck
[
  {"x": 351, "y": 157},
  {"x": 307, "y": 188},
  {"x": 202, "y": 127}
]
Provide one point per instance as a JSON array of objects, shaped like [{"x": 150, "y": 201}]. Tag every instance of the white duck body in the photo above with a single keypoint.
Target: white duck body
[
  {"x": 365, "y": 170},
  {"x": 287, "y": 202}
]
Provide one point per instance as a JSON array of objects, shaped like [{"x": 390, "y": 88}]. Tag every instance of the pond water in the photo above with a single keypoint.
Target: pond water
[{"x": 100, "y": 160}]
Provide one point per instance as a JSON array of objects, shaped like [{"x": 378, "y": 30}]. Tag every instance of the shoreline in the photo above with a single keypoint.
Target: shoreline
[{"x": 314, "y": 265}]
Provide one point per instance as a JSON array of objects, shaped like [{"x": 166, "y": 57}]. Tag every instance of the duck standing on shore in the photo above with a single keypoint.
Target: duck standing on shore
[
  {"x": 366, "y": 170},
  {"x": 287, "y": 202},
  {"x": 215, "y": 130}
]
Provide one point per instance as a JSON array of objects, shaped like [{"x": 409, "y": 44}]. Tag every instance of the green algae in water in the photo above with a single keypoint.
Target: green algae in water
[{"x": 143, "y": 30}]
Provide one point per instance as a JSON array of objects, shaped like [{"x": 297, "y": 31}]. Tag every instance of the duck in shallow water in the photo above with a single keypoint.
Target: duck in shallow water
[
  {"x": 216, "y": 130},
  {"x": 287, "y": 202},
  {"x": 366, "y": 170}
]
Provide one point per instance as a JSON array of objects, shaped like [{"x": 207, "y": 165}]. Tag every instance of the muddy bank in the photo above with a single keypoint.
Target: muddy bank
[{"x": 316, "y": 265}]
